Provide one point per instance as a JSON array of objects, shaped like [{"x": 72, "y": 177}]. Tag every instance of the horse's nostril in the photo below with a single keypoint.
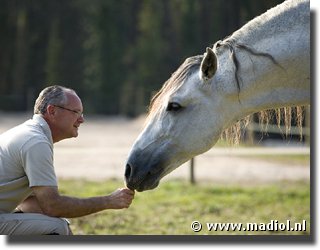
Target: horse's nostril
[{"x": 127, "y": 172}]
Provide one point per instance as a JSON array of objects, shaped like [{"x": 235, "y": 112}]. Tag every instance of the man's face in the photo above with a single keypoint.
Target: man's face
[{"x": 67, "y": 118}]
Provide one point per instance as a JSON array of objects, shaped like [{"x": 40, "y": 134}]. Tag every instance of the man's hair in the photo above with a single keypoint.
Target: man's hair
[{"x": 54, "y": 95}]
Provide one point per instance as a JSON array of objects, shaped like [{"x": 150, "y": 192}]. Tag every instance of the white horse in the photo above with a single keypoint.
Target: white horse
[{"x": 263, "y": 65}]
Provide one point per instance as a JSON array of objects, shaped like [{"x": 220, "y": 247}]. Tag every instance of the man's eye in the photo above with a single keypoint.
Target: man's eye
[{"x": 173, "y": 106}]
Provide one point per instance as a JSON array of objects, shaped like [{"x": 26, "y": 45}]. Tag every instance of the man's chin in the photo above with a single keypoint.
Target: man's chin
[{"x": 75, "y": 132}]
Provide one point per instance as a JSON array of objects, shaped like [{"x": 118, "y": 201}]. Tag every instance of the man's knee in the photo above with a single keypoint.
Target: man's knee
[
  {"x": 33, "y": 224},
  {"x": 62, "y": 227}
]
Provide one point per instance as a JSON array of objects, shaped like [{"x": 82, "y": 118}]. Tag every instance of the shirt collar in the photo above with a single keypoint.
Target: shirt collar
[{"x": 44, "y": 125}]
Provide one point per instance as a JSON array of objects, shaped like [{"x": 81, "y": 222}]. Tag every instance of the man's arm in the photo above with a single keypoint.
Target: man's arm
[
  {"x": 53, "y": 204},
  {"x": 30, "y": 205}
]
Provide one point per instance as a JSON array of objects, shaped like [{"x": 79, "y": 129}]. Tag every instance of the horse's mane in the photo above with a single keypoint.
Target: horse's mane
[
  {"x": 283, "y": 116},
  {"x": 232, "y": 45}
]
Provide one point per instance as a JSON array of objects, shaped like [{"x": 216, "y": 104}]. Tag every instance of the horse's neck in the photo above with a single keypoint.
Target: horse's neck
[{"x": 284, "y": 33}]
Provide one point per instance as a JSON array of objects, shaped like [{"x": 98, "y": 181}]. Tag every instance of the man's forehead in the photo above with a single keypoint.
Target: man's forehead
[{"x": 73, "y": 98}]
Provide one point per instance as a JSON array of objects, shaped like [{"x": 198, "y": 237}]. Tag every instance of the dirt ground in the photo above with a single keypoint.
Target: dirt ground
[{"x": 103, "y": 145}]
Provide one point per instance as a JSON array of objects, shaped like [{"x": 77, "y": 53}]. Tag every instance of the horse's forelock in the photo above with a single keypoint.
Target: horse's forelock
[{"x": 189, "y": 66}]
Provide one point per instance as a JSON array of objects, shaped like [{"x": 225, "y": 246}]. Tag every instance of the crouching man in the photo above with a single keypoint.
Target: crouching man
[{"x": 30, "y": 202}]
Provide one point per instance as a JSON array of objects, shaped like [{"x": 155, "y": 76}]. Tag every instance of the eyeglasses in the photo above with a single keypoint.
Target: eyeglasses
[{"x": 78, "y": 113}]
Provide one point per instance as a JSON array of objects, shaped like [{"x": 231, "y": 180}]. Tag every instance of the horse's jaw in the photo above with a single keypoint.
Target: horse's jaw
[{"x": 146, "y": 166}]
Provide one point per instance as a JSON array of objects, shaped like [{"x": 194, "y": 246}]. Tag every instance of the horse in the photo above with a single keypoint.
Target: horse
[{"x": 263, "y": 65}]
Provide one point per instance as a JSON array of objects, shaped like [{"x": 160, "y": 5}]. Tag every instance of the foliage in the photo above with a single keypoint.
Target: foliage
[
  {"x": 114, "y": 53},
  {"x": 170, "y": 209}
]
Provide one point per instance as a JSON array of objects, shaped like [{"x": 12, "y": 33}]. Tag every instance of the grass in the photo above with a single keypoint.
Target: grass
[
  {"x": 292, "y": 160},
  {"x": 170, "y": 209}
]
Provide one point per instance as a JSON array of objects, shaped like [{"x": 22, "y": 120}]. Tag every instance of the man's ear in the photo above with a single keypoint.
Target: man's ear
[
  {"x": 209, "y": 65},
  {"x": 51, "y": 109}
]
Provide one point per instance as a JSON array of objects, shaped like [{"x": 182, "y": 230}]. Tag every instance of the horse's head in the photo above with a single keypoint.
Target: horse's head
[{"x": 186, "y": 118}]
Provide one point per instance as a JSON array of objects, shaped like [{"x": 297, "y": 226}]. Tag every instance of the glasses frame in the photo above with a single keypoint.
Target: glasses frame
[{"x": 78, "y": 113}]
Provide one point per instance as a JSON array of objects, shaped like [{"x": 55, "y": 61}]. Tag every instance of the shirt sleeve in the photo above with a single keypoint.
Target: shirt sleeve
[{"x": 38, "y": 164}]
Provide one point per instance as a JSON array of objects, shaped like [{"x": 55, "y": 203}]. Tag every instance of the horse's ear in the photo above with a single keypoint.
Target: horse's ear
[{"x": 208, "y": 65}]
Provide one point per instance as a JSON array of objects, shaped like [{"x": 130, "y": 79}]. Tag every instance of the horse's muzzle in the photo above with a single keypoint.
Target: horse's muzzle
[
  {"x": 127, "y": 176},
  {"x": 140, "y": 181}
]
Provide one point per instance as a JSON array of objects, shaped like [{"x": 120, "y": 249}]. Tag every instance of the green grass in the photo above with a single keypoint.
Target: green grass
[
  {"x": 170, "y": 209},
  {"x": 293, "y": 160}
]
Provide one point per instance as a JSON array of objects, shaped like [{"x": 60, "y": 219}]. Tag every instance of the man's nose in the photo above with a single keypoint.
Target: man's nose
[{"x": 81, "y": 119}]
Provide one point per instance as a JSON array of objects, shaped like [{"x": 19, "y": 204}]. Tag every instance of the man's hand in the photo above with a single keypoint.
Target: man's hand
[{"x": 120, "y": 198}]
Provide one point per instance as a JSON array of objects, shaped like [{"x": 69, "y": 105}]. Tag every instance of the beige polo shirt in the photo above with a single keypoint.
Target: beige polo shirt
[{"x": 26, "y": 160}]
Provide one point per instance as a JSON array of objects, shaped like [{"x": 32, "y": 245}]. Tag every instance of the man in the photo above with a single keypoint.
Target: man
[{"x": 30, "y": 202}]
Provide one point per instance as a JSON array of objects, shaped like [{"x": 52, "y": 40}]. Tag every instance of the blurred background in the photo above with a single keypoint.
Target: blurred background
[{"x": 115, "y": 54}]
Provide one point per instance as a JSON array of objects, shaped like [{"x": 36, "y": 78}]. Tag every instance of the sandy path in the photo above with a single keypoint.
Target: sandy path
[{"x": 101, "y": 150}]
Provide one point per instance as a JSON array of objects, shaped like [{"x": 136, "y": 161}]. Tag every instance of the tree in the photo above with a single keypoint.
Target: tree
[{"x": 115, "y": 53}]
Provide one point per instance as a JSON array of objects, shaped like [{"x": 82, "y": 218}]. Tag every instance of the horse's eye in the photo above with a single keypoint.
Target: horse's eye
[{"x": 173, "y": 106}]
